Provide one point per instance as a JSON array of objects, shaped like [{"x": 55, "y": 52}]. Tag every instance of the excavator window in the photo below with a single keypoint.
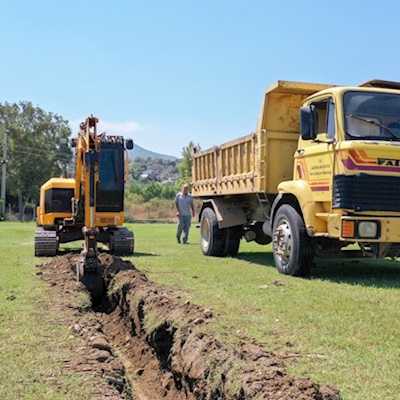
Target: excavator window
[
  {"x": 58, "y": 200},
  {"x": 110, "y": 189},
  {"x": 110, "y": 170}
]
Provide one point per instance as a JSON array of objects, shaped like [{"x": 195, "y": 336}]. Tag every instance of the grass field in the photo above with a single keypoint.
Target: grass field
[
  {"x": 33, "y": 342},
  {"x": 344, "y": 321}
]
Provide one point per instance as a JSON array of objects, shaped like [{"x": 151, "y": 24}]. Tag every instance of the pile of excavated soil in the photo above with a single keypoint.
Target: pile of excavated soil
[{"x": 144, "y": 342}]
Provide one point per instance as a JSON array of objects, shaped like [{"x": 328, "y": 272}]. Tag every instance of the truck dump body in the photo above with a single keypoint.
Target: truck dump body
[{"x": 243, "y": 166}]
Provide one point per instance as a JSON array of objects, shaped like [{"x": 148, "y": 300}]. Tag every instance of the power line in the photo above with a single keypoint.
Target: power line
[
  {"x": 35, "y": 154},
  {"x": 27, "y": 148},
  {"x": 24, "y": 146}
]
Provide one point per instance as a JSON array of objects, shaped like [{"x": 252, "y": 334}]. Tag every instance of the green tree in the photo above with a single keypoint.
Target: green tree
[
  {"x": 152, "y": 190},
  {"x": 185, "y": 166},
  {"x": 137, "y": 168},
  {"x": 135, "y": 188},
  {"x": 168, "y": 192},
  {"x": 37, "y": 149},
  {"x": 162, "y": 168}
]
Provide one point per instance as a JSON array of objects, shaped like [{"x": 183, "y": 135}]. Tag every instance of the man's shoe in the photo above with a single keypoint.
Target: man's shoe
[{"x": 178, "y": 240}]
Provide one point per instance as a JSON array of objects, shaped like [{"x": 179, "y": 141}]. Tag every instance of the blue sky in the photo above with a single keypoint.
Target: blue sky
[{"x": 165, "y": 72}]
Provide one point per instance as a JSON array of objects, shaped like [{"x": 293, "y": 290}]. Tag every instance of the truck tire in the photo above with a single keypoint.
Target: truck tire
[
  {"x": 292, "y": 249},
  {"x": 232, "y": 240},
  {"x": 212, "y": 239}
]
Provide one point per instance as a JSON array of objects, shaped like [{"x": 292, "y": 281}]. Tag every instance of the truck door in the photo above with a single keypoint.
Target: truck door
[{"x": 314, "y": 159}]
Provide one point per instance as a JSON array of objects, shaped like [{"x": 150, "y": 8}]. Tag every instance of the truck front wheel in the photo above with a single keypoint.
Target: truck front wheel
[
  {"x": 212, "y": 239},
  {"x": 292, "y": 247}
]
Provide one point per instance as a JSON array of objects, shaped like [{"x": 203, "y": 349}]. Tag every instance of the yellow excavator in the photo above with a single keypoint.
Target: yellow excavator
[{"x": 89, "y": 207}]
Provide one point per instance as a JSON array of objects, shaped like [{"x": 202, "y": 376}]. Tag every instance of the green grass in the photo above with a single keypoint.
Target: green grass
[
  {"x": 344, "y": 321},
  {"x": 32, "y": 341}
]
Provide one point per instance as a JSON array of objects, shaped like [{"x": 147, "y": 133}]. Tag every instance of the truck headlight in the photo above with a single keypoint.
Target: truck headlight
[
  {"x": 353, "y": 229},
  {"x": 367, "y": 229}
]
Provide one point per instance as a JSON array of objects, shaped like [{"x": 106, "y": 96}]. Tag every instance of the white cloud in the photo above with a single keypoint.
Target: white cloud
[
  {"x": 126, "y": 128},
  {"x": 150, "y": 137},
  {"x": 120, "y": 128}
]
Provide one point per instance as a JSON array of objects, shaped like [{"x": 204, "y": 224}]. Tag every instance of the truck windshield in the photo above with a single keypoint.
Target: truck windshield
[{"x": 371, "y": 115}]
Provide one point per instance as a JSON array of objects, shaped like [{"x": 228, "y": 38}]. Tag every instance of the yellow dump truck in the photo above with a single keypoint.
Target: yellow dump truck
[{"x": 321, "y": 172}]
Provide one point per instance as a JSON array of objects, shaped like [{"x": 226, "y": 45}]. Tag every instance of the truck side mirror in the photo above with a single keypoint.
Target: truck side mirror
[{"x": 308, "y": 122}]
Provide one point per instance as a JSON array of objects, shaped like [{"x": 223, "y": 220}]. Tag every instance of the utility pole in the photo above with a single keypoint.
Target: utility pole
[{"x": 3, "y": 174}]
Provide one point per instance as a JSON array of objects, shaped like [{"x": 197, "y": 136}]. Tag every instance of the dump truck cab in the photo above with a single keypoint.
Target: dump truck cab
[{"x": 349, "y": 155}]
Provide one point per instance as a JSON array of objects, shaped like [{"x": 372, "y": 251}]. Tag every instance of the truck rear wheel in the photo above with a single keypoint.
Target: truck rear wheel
[
  {"x": 232, "y": 240},
  {"x": 292, "y": 249},
  {"x": 212, "y": 239}
]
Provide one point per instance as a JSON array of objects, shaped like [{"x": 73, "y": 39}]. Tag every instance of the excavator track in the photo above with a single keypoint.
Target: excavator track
[
  {"x": 46, "y": 242},
  {"x": 122, "y": 242}
]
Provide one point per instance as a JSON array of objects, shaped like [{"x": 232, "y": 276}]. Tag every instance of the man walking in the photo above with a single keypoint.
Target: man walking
[{"x": 184, "y": 211}]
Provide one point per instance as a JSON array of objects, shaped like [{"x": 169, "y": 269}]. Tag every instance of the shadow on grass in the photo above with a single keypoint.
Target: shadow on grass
[
  {"x": 74, "y": 250},
  {"x": 66, "y": 250},
  {"x": 265, "y": 259},
  {"x": 358, "y": 271},
  {"x": 137, "y": 254}
]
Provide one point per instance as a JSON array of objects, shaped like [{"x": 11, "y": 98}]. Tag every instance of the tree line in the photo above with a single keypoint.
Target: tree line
[{"x": 37, "y": 148}]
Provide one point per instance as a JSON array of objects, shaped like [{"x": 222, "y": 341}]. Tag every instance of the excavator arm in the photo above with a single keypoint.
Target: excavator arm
[
  {"x": 88, "y": 267},
  {"x": 87, "y": 178}
]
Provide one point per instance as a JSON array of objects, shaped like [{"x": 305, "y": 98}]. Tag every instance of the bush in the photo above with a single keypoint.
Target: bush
[
  {"x": 133, "y": 198},
  {"x": 152, "y": 191},
  {"x": 161, "y": 209},
  {"x": 140, "y": 193},
  {"x": 135, "y": 188},
  {"x": 168, "y": 192}
]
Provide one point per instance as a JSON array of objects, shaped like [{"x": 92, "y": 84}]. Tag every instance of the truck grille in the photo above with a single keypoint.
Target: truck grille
[{"x": 365, "y": 192}]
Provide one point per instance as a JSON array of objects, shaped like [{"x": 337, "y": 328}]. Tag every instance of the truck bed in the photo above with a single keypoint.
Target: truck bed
[{"x": 258, "y": 162}]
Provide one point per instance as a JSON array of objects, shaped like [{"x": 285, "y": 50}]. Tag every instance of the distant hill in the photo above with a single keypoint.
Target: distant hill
[{"x": 138, "y": 151}]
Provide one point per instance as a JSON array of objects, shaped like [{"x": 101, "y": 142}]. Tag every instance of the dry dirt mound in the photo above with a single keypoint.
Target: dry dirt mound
[{"x": 164, "y": 349}]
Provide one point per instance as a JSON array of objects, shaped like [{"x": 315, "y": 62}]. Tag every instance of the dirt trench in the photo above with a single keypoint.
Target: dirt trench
[{"x": 143, "y": 342}]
